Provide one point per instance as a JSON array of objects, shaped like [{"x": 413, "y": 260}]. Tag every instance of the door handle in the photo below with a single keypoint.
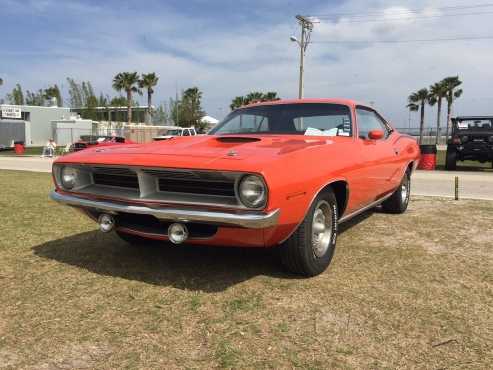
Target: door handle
[{"x": 396, "y": 151}]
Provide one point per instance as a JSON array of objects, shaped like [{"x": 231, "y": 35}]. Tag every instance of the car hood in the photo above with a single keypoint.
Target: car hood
[{"x": 226, "y": 152}]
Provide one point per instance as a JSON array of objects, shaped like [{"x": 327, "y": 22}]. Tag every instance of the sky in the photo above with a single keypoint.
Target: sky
[{"x": 229, "y": 48}]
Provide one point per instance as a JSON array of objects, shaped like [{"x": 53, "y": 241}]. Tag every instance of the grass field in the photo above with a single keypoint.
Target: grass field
[
  {"x": 33, "y": 150},
  {"x": 403, "y": 291}
]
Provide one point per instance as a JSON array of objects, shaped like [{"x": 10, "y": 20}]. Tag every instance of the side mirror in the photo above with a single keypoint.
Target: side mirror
[{"x": 376, "y": 134}]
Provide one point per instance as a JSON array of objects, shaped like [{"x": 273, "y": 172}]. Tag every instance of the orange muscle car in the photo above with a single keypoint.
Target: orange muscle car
[{"x": 281, "y": 173}]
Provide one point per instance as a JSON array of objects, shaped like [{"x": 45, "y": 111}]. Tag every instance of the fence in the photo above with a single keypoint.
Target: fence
[
  {"x": 139, "y": 134},
  {"x": 142, "y": 134},
  {"x": 429, "y": 135}
]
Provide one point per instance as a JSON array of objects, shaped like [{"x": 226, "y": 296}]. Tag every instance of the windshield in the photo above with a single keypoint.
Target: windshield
[{"x": 296, "y": 119}]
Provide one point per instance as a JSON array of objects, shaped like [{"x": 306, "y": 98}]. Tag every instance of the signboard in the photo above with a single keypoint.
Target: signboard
[{"x": 10, "y": 111}]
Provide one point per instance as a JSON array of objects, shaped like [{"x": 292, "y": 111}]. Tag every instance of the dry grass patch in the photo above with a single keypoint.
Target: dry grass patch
[{"x": 408, "y": 291}]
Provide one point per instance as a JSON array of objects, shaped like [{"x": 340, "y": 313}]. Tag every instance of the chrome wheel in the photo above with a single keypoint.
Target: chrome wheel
[
  {"x": 322, "y": 228},
  {"x": 405, "y": 190}
]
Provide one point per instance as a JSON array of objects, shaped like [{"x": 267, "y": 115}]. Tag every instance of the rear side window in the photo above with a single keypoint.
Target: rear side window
[
  {"x": 368, "y": 120},
  {"x": 186, "y": 133}
]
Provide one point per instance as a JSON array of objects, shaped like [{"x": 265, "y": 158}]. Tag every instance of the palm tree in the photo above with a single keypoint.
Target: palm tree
[
  {"x": 270, "y": 96},
  {"x": 126, "y": 81},
  {"x": 148, "y": 81},
  {"x": 450, "y": 85},
  {"x": 437, "y": 92},
  {"x": 417, "y": 100},
  {"x": 237, "y": 102},
  {"x": 253, "y": 97}
]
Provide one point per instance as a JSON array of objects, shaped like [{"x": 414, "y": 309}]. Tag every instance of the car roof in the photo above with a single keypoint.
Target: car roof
[
  {"x": 471, "y": 118},
  {"x": 349, "y": 102}
]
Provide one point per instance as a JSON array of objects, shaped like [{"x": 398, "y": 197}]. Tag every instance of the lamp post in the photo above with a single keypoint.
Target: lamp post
[{"x": 306, "y": 28}]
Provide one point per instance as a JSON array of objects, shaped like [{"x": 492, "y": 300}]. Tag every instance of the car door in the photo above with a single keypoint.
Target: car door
[{"x": 378, "y": 156}]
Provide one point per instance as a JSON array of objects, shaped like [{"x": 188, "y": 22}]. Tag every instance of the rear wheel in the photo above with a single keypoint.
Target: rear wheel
[
  {"x": 398, "y": 201},
  {"x": 310, "y": 249},
  {"x": 451, "y": 159}
]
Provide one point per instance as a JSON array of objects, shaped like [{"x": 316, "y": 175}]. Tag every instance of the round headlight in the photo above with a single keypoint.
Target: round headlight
[
  {"x": 252, "y": 191},
  {"x": 69, "y": 177}
]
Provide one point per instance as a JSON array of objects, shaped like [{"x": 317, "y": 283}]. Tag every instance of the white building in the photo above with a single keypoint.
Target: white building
[
  {"x": 69, "y": 130},
  {"x": 30, "y": 124}
]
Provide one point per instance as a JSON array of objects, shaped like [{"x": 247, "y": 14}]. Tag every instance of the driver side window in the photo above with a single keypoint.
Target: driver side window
[{"x": 368, "y": 121}]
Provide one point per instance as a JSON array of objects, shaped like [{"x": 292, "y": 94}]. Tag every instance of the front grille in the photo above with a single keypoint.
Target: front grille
[
  {"x": 173, "y": 174},
  {"x": 221, "y": 188},
  {"x": 166, "y": 185},
  {"x": 118, "y": 177}
]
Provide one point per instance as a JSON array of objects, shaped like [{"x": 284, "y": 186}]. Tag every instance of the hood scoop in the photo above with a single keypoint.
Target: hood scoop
[{"x": 237, "y": 139}]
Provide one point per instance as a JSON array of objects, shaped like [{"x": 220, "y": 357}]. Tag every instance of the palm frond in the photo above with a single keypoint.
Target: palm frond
[{"x": 413, "y": 107}]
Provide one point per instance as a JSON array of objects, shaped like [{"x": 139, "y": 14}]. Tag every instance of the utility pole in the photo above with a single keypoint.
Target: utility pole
[{"x": 306, "y": 29}]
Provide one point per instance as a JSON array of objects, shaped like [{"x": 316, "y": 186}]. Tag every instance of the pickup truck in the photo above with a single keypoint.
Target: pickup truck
[{"x": 179, "y": 131}]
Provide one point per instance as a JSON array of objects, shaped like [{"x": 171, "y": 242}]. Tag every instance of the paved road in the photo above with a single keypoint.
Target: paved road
[
  {"x": 474, "y": 185},
  {"x": 35, "y": 164}
]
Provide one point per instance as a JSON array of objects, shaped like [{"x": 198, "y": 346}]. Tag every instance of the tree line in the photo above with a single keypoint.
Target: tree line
[
  {"x": 184, "y": 110},
  {"x": 253, "y": 97},
  {"x": 17, "y": 96},
  {"x": 445, "y": 89}
]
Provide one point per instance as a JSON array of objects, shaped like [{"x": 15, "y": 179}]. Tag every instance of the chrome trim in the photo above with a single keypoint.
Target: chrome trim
[
  {"x": 238, "y": 181},
  {"x": 250, "y": 220},
  {"x": 149, "y": 190},
  {"x": 365, "y": 208}
]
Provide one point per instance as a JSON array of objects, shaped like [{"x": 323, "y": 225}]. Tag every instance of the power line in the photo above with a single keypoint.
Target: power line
[
  {"x": 465, "y": 38},
  {"x": 408, "y": 11},
  {"x": 390, "y": 19}
]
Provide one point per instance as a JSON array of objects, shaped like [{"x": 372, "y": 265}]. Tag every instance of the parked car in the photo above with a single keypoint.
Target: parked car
[
  {"x": 275, "y": 174},
  {"x": 471, "y": 139},
  {"x": 87, "y": 141},
  {"x": 179, "y": 131}
]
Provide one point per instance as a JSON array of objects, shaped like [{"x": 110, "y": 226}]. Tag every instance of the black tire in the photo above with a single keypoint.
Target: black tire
[
  {"x": 451, "y": 159},
  {"x": 298, "y": 254},
  {"x": 399, "y": 200}
]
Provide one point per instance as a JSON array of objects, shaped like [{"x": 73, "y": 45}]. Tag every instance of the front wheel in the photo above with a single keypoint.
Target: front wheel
[
  {"x": 399, "y": 200},
  {"x": 309, "y": 250}
]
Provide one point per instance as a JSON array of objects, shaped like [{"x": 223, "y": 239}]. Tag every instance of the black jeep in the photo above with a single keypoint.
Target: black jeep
[{"x": 472, "y": 139}]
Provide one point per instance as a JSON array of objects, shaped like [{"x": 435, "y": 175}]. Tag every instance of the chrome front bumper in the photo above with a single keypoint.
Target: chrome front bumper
[{"x": 249, "y": 220}]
